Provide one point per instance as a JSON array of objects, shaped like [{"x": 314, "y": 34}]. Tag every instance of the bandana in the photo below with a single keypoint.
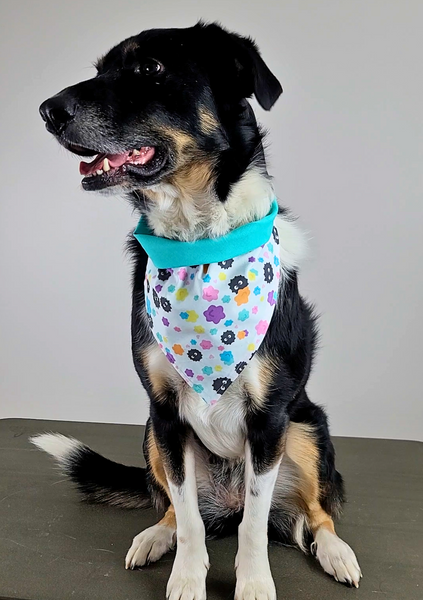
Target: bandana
[{"x": 211, "y": 318}]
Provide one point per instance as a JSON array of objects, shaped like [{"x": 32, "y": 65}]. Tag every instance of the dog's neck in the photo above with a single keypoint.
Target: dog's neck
[
  {"x": 176, "y": 214},
  {"x": 217, "y": 192}
]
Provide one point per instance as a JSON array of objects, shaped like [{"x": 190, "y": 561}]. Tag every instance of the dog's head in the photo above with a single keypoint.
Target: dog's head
[
  {"x": 167, "y": 121},
  {"x": 166, "y": 107}
]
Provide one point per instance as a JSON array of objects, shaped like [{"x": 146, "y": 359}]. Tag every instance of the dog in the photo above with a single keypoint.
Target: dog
[{"x": 169, "y": 124}]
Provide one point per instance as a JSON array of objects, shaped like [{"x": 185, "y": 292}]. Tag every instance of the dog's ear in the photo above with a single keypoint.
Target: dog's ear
[
  {"x": 255, "y": 74},
  {"x": 241, "y": 62}
]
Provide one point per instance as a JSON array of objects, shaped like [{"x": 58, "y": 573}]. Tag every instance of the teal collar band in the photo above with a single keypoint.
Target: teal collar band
[{"x": 172, "y": 254}]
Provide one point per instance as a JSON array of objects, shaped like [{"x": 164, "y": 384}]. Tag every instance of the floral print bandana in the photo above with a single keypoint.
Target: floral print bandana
[{"x": 209, "y": 320}]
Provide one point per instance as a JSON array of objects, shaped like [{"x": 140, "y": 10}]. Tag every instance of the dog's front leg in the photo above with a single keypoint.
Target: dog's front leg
[
  {"x": 254, "y": 579},
  {"x": 188, "y": 578}
]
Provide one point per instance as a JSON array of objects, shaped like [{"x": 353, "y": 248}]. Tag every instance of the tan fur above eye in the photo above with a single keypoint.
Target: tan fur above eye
[{"x": 208, "y": 122}]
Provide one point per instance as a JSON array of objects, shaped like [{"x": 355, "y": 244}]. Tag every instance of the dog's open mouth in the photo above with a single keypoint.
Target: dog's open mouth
[{"x": 107, "y": 170}]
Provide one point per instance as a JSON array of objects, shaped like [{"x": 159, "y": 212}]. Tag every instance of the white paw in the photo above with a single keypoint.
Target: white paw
[
  {"x": 255, "y": 589},
  {"x": 336, "y": 557},
  {"x": 253, "y": 582},
  {"x": 150, "y": 545},
  {"x": 188, "y": 578}
]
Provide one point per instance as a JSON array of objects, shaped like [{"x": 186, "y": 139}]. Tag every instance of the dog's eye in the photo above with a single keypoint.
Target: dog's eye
[{"x": 150, "y": 67}]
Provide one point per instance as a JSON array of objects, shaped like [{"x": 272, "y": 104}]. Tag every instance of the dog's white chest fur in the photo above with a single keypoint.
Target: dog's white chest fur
[{"x": 221, "y": 427}]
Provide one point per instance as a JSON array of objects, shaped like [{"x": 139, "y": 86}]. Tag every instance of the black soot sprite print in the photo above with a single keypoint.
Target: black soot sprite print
[
  {"x": 240, "y": 367},
  {"x": 150, "y": 321},
  {"x": 226, "y": 264},
  {"x": 156, "y": 299},
  {"x": 228, "y": 337},
  {"x": 221, "y": 384},
  {"x": 147, "y": 284},
  {"x": 163, "y": 274},
  {"x": 268, "y": 273},
  {"x": 195, "y": 355},
  {"x": 166, "y": 305},
  {"x": 275, "y": 234},
  {"x": 238, "y": 283}
]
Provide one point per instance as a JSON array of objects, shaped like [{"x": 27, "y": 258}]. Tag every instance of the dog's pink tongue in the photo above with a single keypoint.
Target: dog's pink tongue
[
  {"x": 115, "y": 160},
  {"x": 136, "y": 157}
]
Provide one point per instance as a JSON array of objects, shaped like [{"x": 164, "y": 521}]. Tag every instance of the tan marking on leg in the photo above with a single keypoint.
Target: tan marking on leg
[
  {"x": 318, "y": 518},
  {"x": 158, "y": 378},
  {"x": 158, "y": 383},
  {"x": 301, "y": 447},
  {"x": 258, "y": 379},
  {"x": 156, "y": 464},
  {"x": 169, "y": 519}
]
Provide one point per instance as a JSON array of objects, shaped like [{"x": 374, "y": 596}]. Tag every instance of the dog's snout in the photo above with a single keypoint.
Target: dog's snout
[{"x": 58, "y": 112}]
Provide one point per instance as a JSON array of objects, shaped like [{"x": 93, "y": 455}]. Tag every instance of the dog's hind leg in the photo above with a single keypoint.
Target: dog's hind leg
[
  {"x": 304, "y": 449},
  {"x": 150, "y": 545}
]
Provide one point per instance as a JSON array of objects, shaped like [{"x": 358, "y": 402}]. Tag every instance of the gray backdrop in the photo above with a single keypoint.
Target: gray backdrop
[{"x": 346, "y": 153}]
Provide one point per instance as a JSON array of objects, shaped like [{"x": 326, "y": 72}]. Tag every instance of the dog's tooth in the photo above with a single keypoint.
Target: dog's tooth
[
  {"x": 106, "y": 166},
  {"x": 99, "y": 172},
  {"x": 136, "y": 152}
]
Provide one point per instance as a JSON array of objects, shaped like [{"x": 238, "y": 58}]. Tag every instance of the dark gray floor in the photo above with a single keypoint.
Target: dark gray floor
[{"x": 52, "y": 547}]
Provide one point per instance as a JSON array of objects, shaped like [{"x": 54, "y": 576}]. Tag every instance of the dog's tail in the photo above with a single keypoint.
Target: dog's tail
[{"x": 98, "y": 479}]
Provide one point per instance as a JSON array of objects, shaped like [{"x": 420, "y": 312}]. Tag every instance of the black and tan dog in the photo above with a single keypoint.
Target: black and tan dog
[{"x": 168, "y": 121}]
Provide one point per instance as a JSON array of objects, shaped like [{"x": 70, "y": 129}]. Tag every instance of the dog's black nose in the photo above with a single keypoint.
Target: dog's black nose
[{"x": 58, "y": 112}]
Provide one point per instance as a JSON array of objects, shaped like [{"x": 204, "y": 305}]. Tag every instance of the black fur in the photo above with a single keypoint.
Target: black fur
[
  {"x": 103, "y": 481},
  {"x": 148, "y": 89}
]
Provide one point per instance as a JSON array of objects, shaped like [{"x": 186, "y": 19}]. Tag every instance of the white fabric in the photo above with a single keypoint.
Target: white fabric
[{"x": 209, "y": 320}]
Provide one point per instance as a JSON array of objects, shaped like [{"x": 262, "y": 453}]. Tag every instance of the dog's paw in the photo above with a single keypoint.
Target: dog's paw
[
  {"x": 150, "y": 545},
  {"x": 186, "y": 586},
  {"x": 188, "y": 578},
  {"x": 336, "y": 557},
  {"x": 255, "y": 587},
  {"x": 253, "y": 582}
]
